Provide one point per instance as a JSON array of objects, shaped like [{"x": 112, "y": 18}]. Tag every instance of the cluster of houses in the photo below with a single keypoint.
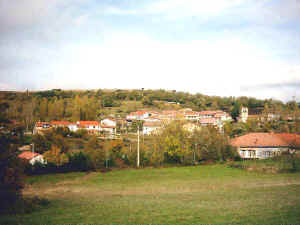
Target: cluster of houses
[
  {"x": 93, "y": 127},
  {"x": 154, "y": 120}
]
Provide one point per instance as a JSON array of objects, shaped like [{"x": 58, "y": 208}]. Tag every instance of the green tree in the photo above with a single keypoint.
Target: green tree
[
  {"x": 56, "y": 156},
  {"x": 11, "y": 172}
]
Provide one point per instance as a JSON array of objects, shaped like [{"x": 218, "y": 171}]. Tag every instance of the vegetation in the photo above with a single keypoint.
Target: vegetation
[
  {"x": 287, "y": 162},
  {"x": 58, "y": 104},
  {"x": 186, "y": 195},
  {"x": 11, "y": 173}
]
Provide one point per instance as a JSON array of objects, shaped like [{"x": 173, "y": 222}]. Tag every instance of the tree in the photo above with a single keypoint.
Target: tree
[
  {"x": 43, "y": 109},
  {"x": 11, "y": 172},
  {"x": 235, "y": 111},
  {"x": 174, "y": 141},
  {"x": 41, "y": 143},
  {"x": 55, "y": 156}
]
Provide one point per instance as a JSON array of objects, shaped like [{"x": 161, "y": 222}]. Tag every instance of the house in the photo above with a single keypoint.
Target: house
[
  {"x": 191, "y": 115},
  {"x": 151, "y": 127},
  {"x": 171, "y": 115},
  {"x": 265, "y": 145},
  {"x": 32, "y": 157},
  {"x": 57, "y": 124},
  {"x": 211, "y": 122},
  {"x": 40, "y": 127},
  {"x": 207, "y": 114},
  {"x": 152, "y": 119},
  {"x": 93, "y": 127},
  {"x": 140, "y": 115},
  {"x": 109, "y": 122}
]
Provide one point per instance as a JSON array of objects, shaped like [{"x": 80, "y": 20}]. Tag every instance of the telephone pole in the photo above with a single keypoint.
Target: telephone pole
[{"x": 138, "y": 148}]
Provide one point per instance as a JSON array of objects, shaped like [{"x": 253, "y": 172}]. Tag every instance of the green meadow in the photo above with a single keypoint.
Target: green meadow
[{"x": 212, "y": 194}]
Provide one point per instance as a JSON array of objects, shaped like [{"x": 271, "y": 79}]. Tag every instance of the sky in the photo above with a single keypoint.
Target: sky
[{"x": 215, "y": 47}]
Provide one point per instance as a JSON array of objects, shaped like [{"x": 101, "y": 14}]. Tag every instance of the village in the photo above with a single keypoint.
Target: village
[{"x": 249, "y": 146}]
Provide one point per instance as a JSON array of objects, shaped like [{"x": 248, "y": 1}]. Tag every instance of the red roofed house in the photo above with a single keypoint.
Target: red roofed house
[
  {"x": 32, "y": 157},
  {"x": 265, "y": 145},
  {"x": 140, "y": 115},
  {"x": 41, "y": 126},
  {"x": 191, "y": 115},
  {"x": 151, "y": 127},
  {"x": 211, "y": 122},
  {"x": 90, "y": 126},
  {"x": 60, "y": 123}
]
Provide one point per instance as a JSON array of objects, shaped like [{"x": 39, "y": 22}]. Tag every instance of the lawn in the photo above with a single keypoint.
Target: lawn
[{"x": 186, "y": 195}]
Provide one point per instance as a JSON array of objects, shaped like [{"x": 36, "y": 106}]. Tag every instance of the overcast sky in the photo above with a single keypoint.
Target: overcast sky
[{"x": 214, "y": 47}]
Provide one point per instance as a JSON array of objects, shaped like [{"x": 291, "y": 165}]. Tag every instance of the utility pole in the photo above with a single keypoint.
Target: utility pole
[
  {"x": 195, "y": 153},
  {"x": 138, "y": 148}
]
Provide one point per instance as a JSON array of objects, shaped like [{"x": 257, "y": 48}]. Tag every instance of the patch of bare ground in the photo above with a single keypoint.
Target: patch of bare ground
[{"x": 73, "y": 188}]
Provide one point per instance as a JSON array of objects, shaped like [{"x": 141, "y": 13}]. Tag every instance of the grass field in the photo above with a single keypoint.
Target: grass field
[{"x": 186, "y": 195}]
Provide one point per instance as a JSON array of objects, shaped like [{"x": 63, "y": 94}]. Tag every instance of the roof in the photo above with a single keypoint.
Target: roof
[
  {"x": 208, "y": 120},
  {"x": 266, "y": 140},
  {"x": 40, "y": 124},
  {"x": 28, "y": 155},
  {"x": 88, "y": 123},
  {"x": 152, "y": 124},
  {"x": 209, "y": 112},
  {"x": 138, "y": 113},
  {"x": 193, "y": 113}
]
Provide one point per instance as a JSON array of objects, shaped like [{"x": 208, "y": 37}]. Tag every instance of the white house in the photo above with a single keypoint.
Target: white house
[
  {"x": 151, "y": 127},
  {"x": 109, "y": 122},
  {"x": 265, "y": 145},
  {"x": 140, "y": 115},
  {"x": 32, "y": 157},
  {"x": 90, "y": 126}
]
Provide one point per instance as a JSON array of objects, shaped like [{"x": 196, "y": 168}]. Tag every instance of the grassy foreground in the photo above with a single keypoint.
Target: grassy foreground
[{"x": 186, "y": 195}]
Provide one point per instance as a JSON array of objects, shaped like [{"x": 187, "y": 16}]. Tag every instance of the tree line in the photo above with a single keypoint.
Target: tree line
[{"x": 29, "y": 107}]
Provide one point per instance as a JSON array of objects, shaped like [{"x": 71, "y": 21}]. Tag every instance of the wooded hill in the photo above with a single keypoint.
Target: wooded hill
[{"x": 29, "y": 107}]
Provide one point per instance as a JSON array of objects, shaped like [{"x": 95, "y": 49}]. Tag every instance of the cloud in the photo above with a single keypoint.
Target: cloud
[
  {"x": 7, "y": 87},
  {"x": 218, "y": 47},
  {"x": 225, "y": 67}
]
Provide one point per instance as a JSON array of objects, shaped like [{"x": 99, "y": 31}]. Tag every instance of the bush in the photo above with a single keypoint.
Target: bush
[{"x": 78, "y": 162}]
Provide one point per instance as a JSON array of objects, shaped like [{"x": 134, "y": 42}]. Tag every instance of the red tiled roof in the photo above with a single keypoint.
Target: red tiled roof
[
  {"x": 266, "y": 139},
  {"x": 191, "y": 113},
  {"x": 152, "y": 124},
  {"x": 137, "y": 113},
  {"x": 88, "y": 123},
  {"x": 28, "y": 155},
  {"x": 207, "y": 112},
  {"x": 40, "y": 124}
]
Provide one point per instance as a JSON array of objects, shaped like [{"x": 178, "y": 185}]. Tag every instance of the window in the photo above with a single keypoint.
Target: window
[
  {"x": 252, "y": 154},
  {"x": 243, "y": 152}
]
